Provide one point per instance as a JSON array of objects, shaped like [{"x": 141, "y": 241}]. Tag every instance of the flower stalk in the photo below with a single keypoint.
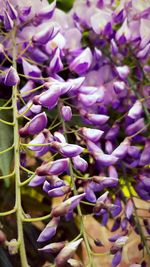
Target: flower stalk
[{"x": 22, "y": 251}]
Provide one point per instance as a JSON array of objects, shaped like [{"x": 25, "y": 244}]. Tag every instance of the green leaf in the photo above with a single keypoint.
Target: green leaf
[
  {"x": 64, "y": 5},
  {"x": 6, "y": 140}
]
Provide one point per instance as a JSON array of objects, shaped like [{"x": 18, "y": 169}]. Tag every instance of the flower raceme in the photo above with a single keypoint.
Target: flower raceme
[{"x": 83, "y": 112}]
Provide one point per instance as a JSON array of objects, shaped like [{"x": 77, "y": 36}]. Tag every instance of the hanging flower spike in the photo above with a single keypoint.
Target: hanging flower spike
[
  {"x": 35, "y": 126},
  {"x": 53, "y": 168},
  {"x": 49, "y": 231},
  {"x": 67, "y": 252},
  {"x": 11, "y": 77}
]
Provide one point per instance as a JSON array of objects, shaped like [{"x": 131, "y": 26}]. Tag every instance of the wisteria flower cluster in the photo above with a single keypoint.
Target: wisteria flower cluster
[{"x": 76, "y": 87}]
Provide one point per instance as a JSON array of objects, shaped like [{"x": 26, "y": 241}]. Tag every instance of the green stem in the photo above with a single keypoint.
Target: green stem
[
  {"x": 6, "y": 150},
  {"x": 37, "y": 219},
  {"x": 8, "y": 175},
  {"x": 23, "y": 258},
  {"x": 5, "y": 213}
]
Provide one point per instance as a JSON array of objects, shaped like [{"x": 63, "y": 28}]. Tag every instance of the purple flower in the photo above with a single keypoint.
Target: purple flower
[
  {"x": 46, "y": 12},
  {"x": 145, "y": 156},
  {"x": 59, "y": 191},
  {"x": 11, "y": 77},
  {"x": 8, "y": 22},
  {"x": 11, "y": 10},
  {"x": 119, "y": 86},
  {"x": 53, "y": 168},
  {"x": 98, "y": 119},
  {"x": 123, "y": 71},
  {"x": 79, "y": 163},
  {"x": 56, "y": 64},
  {"x": 67, "y": 206},
  {"x": 82, "y": 62},
  {"x": 37, "y": 180},
  {"x": 135, "y": 127},
  {"x": 30, "y": 70},
  {"x": 45, "y": 34},
  {"x": 34, "y": 126},
  {"x": 92, "y": 134},
  {"x": 66, "y": 113},
  {"x": 67, "y": 252},
  {"x": 136, "y": 110},
  {"x": 121, "y": 151},
  {"x": 49, "y": 231},
  {"x": 49, "y": 98},
  {"x": 116, "y": 259},
  {"x": 70, "y": 150}
]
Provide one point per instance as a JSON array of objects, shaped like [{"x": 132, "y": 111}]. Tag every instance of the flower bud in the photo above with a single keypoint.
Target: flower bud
[
  {"x": 30, "y": 70},
  {"x": 37, "y": 180},
  {"x": 49, "y": 98},
  {"x": 67, "y": 206},
  {"x": 67, "y": 252},
  {"x": 123, "y": 71},
  {"x": 97, "y": 119},
  {"x": 92, "y": 134},
  {"x": 71, "y": 150},
  {"x": 129, "y": 209},
  {"x": 116, "y": 259},
  {"x": 56, "y": 64},
  {"x": 136, "y": 110},
  {"x": 53, "y": 247},
  {"x": 11, "y": 10},
  {"x": 53, "y": 168},
  {"x": 11, "y": 77},
  {"x": 8, "y": 22},
  {"x": 79, "y": 163},
  {"x": 46, "y": 12},
  {"x": 121, "y": 151},
  {"x": 119, "y": 86},
  {"x": 34, "y": 126},
  {"x": 39, "y": 139},
  {"x": 49, "y": 231},
  {"x": 45, "y": 34},
  {"x": 59, "y": 191},
  {"x": 145, "y": 156},
  {"x": 66, "y": 113}
]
